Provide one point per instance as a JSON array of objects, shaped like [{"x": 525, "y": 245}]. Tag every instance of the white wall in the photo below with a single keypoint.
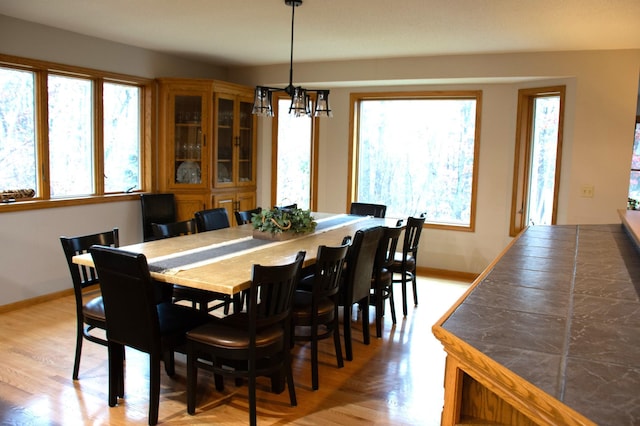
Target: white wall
[
  {"x": 32, "y": 262},
  {"x": 601, "y": 102},
  {"x": 602, "y": 96}
]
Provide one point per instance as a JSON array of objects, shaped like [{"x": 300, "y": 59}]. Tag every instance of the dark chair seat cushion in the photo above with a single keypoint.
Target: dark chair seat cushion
[
  {"x": 306, "y": 283},
  {"x": 93, "y": 309},
  {"x": 176, "y": 319},
  {"x": 302, "y": 308},
  {"x": 220, "y": 335},
  {"x": 397, "y": 263},
  {"x": 386, "y": 276}
]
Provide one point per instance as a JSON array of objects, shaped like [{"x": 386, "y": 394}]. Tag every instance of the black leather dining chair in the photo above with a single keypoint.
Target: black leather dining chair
[
  {"x": 89, "y": 306},
  {"x": 405, "y": 263},
  {"x": 173, "y": 229},
  {"x": 355, "y": 286},
  {"x": 382, "y": 280},
  {"x": 368, "y": 209},
  {"x": 245, "y": 216},
  {"x": 134, "y": 319},
  {"x": 212, "y": 219},
  {"x": 315, "y": 304},
  {"x": 254, "y": 342},
  {"x": 156, "y": 208},
  {"x": 287, "y": 207}
]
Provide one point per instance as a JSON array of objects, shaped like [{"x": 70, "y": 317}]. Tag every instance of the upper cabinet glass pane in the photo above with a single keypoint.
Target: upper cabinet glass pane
[
  {"x": 188, "y": 139},
  {"x": 224, "y": 160},
  {"x": 245, "y": 148}
]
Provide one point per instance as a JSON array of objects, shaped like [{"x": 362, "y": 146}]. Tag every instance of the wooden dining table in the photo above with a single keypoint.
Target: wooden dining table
[{"x": 222, "y": 260}]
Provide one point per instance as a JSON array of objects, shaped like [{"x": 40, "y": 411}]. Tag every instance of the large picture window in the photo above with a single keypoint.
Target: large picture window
[
  {"x": 70, "y": 133},
  {"x": 417, "y": 153}
]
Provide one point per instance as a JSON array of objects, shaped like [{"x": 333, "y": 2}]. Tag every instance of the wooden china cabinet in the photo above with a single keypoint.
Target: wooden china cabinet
[{"x": 207, "y": 145}]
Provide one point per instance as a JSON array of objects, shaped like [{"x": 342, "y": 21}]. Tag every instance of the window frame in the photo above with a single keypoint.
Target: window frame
[
  {"x": 354, "y": 145},
  {"x": 41, "y": 70},
  {"x": 315, "y": 137}
]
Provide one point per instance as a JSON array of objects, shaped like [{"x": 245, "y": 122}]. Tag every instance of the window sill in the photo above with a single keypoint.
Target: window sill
[{"x": 65, "y": 202}]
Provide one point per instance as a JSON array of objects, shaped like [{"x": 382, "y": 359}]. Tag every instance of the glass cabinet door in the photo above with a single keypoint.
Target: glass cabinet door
[
  {"x": 188, "y": 139},
  {"x": 245, "y": 143},
  {"x": 224, "y": 157}
]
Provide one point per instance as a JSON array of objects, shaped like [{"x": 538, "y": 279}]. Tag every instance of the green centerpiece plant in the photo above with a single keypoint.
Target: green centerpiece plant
[{"x": 281, "y": 224}]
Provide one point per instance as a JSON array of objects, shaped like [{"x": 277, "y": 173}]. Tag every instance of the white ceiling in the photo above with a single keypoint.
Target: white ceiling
[{"x": 257, "y": 32}]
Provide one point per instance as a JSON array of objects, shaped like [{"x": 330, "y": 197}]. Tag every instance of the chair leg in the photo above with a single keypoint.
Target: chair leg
[
  {"x": 290, "y": 384},
  {"x": 392, "y": 304},
  {"x": 415, "y": 289},
  {"x": 116, "y": 372},
  {"x": 192, "y": 379},
  {"x": 366, "y": 333},
  {"x": 154, "y": 388},
  {"x": 253, "y": 421},
  {"x": 336, "y": 342},
  {"x": 169, "y": 363},
  {"x": 347, "y": 333},
  {"x": 219, "y": 382},
  {"x": 379, "y": 312},
  {"x": 404, "y": 293},
  {"x": 314, "y": 357},
  {"x": 79, "y": 339}
]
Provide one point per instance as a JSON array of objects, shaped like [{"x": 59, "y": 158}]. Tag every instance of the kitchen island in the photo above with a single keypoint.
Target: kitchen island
[{"x": 549, "y": 333}]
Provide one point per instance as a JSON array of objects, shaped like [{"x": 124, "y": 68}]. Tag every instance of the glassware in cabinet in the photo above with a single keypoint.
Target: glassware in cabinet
[{"x": 188, "y": 139}]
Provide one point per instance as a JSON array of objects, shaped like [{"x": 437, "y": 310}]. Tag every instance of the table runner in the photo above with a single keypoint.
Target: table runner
[{"x": 172, "y": 264}]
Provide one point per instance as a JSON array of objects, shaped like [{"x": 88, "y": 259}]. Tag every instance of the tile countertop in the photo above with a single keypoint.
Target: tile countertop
[{"x": 561, "y": 309}]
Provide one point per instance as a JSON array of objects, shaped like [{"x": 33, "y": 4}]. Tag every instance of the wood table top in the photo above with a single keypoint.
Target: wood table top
[{"x": 230, "y": 273}]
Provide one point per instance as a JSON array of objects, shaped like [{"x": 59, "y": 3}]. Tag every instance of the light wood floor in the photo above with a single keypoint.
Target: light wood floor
[{"x": 395, "y": 380}]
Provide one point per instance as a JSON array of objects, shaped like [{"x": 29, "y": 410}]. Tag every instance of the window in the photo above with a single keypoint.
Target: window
[
  {"x": 71, "y": 133},
  {"x": 70, "y": 103},
  {"x": 537, "y": 157},
  {"x": 416, "y": 153},
  {"x": 18, "y": 149},
  {"x": 122, "y": 142},
  {"x": 294, "y": 166},
  {"x": 634, "y": 181}
]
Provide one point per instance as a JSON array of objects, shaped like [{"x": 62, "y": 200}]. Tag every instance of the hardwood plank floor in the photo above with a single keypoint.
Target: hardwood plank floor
[{"x": 395, "y": 380}]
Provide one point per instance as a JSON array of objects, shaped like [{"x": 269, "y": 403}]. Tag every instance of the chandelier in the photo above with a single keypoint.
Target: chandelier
[{"x": 300, "y": 100}]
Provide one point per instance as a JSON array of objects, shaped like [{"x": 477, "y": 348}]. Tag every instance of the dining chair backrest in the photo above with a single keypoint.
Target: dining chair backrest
[
  {"x": 156, "y": 208},
  {"x": 368, "y": 209},
  {"x": 129, "y": 298},
  {"x": 270, "y": 295},
  {"x": 212, "y": 219},
  {"x": 328, "y": 271},
  {"x": 412, "y": 234},
  {"x": 360, "y": 260},
  {"x": 244, "y": 217},
  {"x": 173, "y": 229},
  {"x": 387, "y": 247},
  {"x": 85, "y": 276},
  {"x": 287, "y": 207}
]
